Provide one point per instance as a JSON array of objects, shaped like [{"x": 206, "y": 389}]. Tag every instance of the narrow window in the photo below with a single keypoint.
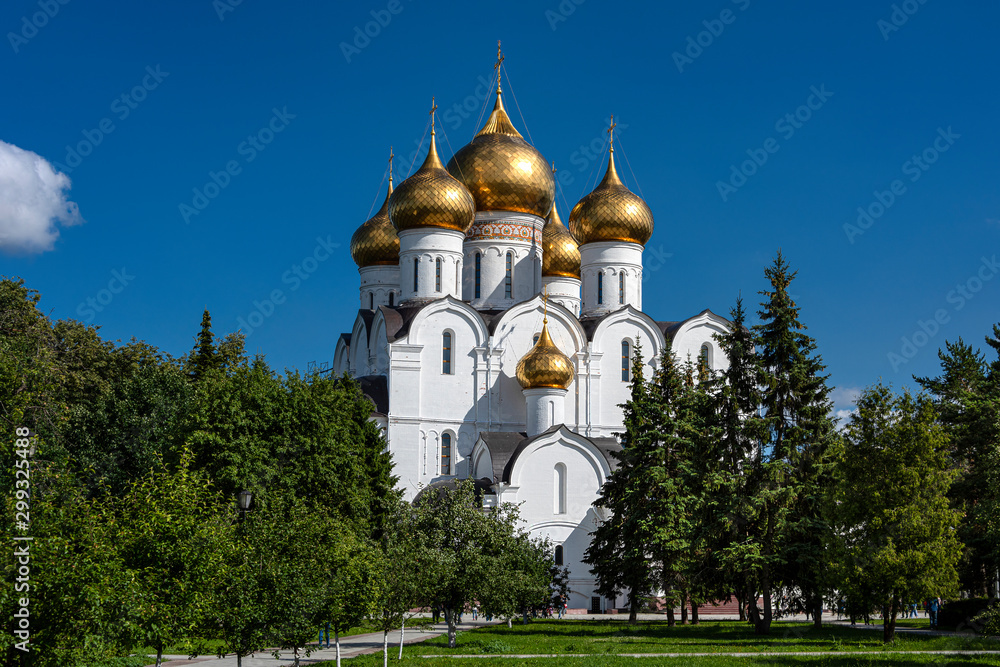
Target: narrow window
[
  {"x": 534, "y": 339},
  {"x": 391, "y": 294},
  {"x": 371, "y": 301},
  {"x": 446, "y": 454},
  {"x": 559, "y": 554},
  {"x": 437, "y": 275},
  {"x": 446, "y": 353},
  {"x": 626, "y": 361},
  {"x": 416, "y": 267},
  {"x": 559, "y": 483},
  {"x": 479, "y": 273},
  {"x": 600, "y": 287},
  {"x": 508, "y": 281},
  {"x": 621, "y": 287},
  {"x": 704, "y": 359}
]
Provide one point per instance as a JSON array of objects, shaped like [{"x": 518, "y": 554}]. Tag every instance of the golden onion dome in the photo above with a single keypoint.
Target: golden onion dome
[
  {"x": 375, "y": 242},
  {"x": 544, "y": 365},
  {"x": 611, "y": 213},
  {"x": 560, "y": 252},
  {"x": 431, "y": 198},
  {"x": 502, "y": 170}
]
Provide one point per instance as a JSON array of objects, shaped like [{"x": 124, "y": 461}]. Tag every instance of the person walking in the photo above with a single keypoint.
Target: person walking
[
  {"x": 475, "y": 612},
  {"x": 933, "y": 607}
]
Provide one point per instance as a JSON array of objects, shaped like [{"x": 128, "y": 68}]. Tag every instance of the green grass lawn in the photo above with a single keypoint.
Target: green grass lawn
[{"x": 605, "y": 641}]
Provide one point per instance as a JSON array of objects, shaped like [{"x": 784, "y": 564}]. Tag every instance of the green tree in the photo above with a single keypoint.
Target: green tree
[
  {"x": 967, "y": 396},
  {"x": 355, "y": 577},
  {"x": 620, "y": 554},
  {"x": 171, "y": 536},
  {"x": 205, "y": 358},
  {"x": 793, "y": 470},
  {"x": 896, "y": 532},
  {"x": 476, "y": 553}
]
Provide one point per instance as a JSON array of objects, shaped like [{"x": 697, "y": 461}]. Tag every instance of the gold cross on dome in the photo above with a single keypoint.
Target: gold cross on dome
[
  {"x": 391, "y": 156},
  {"x": 434, "y": 107},
  {"x": 545, "y": 304},
  {"x": 554, "y": 169},
  {"x": 611, "y": 133},
  {"x": 499, "y": 62}
]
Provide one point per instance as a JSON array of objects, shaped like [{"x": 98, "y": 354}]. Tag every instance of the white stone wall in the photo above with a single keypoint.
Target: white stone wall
[
  {"x": 546, "y": 407},
  {"x": 564, "y": 291},
  {"x": 430, "y": 246},
  {"x": 612, "y": 259},
  {"x": 377, "y": 283},
  {"x": 494, "y": 234}
]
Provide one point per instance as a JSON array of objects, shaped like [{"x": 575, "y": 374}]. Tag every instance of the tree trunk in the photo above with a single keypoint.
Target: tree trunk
[
  {"x": 336, "y": 638},
  {"x": 295, "y": 652},
  {"x": 239, "y": 659},
  {"x": 510, "y": 622},
  {"x": 684, "y": 607},
  {"x": 889, "y": 624},
  {"x": 762, "y": 626},
  {"x": 159, "y": 654},
  {"x": 671, "y": 621},
  {"x": 818, "y": 613},
  {"x": 741, "y": 601},
  {"x": 694, "y": 613},
  {"x": 385, "y": 648},
  {"x": 402, "y": 632},
  {"x": 633, "y": 609},
  {"x": 449, "y": 615}
]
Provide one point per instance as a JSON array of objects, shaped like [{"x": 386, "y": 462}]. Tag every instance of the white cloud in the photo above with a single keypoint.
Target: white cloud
[{"x": 33, "y": 201}]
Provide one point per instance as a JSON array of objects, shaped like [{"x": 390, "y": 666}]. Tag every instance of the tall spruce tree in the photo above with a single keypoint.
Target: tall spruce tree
[
  {"x": 620, "y": 553},
  {"x": 967, "y": 397},
  {"x": 795, "y": 407},
  {"x": 205, "y": 358}
]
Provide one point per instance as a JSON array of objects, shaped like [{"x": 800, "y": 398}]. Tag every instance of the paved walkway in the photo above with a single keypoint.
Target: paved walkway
[{"x": 349, "y": 647}]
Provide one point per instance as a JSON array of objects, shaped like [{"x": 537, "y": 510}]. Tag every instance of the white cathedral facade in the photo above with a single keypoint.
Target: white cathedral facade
[{"x": 496, "y": 343}]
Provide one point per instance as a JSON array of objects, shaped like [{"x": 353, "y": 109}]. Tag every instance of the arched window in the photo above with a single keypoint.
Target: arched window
[
  {"x": 479, "y": 274},
  {"x": 446, "y": 454},
  {"x": 559, "y": 554},
  {"x": 509, "y": 280},
  {"x": 621, "y": 287},
  {"x": 705, "y": 359},
  {"x": 534, "y": 339},
  {"x": 391, "y": 294},
  {"x": 371, "y": 301},
  {"x": 437, "y": 275},
  {"x": 600, "y": 287},
  {"x": 559, "y": 489},
  {"x": 626, "y": 361},
  {"x": 416, "y": 268},
  {"x": 446, "y": 353}
]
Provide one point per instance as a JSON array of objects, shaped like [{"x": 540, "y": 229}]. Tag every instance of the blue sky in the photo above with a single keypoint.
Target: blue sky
[{"x": 829, "y": 103}]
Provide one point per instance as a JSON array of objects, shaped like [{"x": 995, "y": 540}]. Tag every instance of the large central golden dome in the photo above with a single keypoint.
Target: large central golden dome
[
  {"x": 611, "y": 212},
  {"x": 375, "y": 242},
  {"x": 502, "y": 170},
  {"x": 431, "y": 198},
  {"x": 560, "y": 252},
  {"x": 544, "y": 365}
]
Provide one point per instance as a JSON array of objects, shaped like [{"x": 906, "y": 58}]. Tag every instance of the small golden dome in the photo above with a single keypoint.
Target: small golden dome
[
  {"x": 560, "y": 252},
  {"x": 431, "y": 198},
  {"x": 375, "y": 242},
  {"x": 611, "y": 213},
  {"x": 544, "y": 365},
  {"x": 502, "y": 170}
]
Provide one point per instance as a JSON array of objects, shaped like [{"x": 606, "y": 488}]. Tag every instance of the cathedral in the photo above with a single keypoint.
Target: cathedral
[{"x": 496, "y": 342}]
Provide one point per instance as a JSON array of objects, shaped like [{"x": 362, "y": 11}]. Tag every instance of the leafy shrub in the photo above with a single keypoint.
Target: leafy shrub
[{"x": 959, "y": 614}]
